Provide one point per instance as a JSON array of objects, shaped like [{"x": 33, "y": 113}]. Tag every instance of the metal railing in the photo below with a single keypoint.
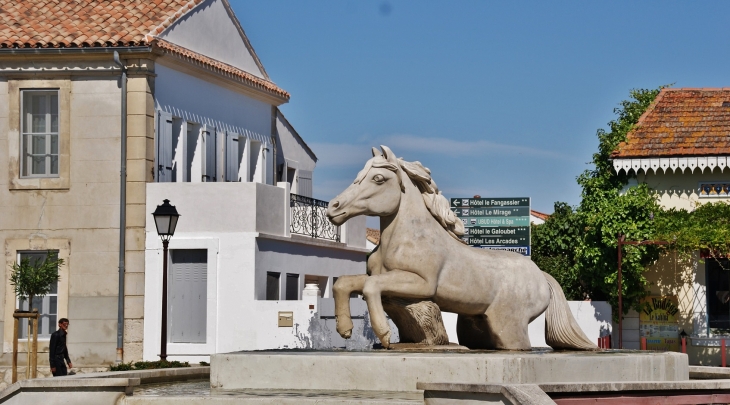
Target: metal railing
[{"x": 309, "y": 217}]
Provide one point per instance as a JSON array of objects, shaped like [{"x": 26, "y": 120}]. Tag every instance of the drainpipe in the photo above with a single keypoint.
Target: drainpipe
[{"x": 122, "y": 213}]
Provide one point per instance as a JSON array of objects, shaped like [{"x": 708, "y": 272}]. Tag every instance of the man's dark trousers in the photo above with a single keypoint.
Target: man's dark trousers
[{"x": 60, "y": 370}]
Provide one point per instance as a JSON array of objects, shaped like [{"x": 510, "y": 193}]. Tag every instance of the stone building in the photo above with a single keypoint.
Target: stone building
[
  {"x": 203, "y": 129},
  {"x": 681, "y": 149}
]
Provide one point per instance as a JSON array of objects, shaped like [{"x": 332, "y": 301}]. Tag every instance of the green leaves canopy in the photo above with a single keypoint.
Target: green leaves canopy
[
  {"x": 31, "y": 278},
  {"x": 579, "y": 247}
]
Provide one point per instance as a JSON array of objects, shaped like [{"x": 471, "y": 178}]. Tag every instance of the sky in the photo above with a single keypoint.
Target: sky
[{"x": 500, "y": 99}]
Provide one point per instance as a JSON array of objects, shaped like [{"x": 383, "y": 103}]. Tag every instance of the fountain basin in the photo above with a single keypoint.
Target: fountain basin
[{"x": 393, "y": 370}]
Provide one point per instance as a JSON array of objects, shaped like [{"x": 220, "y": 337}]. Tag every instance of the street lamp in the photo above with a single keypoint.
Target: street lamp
[{"x": 165, "y": 220}]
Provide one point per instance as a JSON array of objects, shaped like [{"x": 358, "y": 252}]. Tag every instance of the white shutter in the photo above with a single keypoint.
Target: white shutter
[
  {"x": 232, "y": 156},
  {"x": 304, "y": 183},
  {"x": 210, "y": 155},
  {"x": 164, "y": 146}
]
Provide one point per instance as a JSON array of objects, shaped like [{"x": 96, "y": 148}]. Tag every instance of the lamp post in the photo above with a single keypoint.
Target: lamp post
[{"x": 165, "y": 220}]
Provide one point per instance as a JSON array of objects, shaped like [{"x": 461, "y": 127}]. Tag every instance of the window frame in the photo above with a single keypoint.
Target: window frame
[
  {"x": 26, "y": 158},
  {"x": 63, "y": 180},
  {"x": 54, "y": 316}
]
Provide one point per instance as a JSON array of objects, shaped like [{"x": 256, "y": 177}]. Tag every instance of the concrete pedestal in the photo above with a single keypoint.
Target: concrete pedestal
[{"x": 401, "y": 370}]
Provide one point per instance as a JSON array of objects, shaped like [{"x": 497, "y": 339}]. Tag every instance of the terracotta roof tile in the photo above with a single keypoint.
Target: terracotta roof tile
[
  {"x": 681, "y": 122},
  {"x": 99, "y": 23},
  {"x": 540, "y": 215},
  {"x": 95, "y": 23},
  {"x": 373, "y": 235}
]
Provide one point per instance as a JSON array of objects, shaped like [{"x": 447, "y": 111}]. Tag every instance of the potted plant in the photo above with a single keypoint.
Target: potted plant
[
  {"x": 35, "y": 278},
  {"x": 32, "y": 278}
]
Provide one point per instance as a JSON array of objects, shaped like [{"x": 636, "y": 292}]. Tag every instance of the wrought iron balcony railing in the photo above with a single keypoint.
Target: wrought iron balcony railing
[{"x": 309, "y": 217}]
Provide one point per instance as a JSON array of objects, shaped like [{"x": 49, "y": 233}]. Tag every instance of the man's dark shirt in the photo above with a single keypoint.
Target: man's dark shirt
[{"x": 57, "y": 350}]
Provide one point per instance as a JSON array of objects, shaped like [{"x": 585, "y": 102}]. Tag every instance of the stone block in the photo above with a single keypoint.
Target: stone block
[
  {"x": 132, "y": 351},
  {"x": 93, "y": 331},
  {"x": 133, "y": 331},
  {"x": 136, "y": 170},
  {"x": 97, "y": 86},
  {"x": 91, "y": 285},
  {"x": 140, "y": 126},
  {"x": 90, "y": 308},
  {"x": 92, "y": 354},
  {"x": 104, "y": 126},
  {"x": 100, "y": 263},
  {"x": 136, "y": 192},
  {"x": 83, "y": 171},
  {"x": 95, "y": 240},
  {"x": 140, "y": 103},
  {"x": 135, "y": 261},
  {"x": 395, "y": 370},
  {"x": 85, "y": 105},
  {"x": 137, "y": 147},
  {"x": 134, "y": 307},
  {"x": 137, "y": 215},
  {"x": 101, "y": 148},
  {"x": 134, "y": 284},
  {"x": 135, "y": 238},
  {"x": 139, "y": 84}
]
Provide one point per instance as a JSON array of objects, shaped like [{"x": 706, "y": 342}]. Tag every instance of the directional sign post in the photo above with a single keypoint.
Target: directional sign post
[{"x": 495, "y": 223}]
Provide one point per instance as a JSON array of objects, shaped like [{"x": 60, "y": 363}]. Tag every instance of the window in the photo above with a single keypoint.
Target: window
[
  {"x": 292, "y": 287},
  {"x": 718, "y": 294},
  {"x": 188, "y": 295},
  {"x": 39, "y": 133},
  {"x": 47, "y": 306},
  {"x": 272, "y": 286}
]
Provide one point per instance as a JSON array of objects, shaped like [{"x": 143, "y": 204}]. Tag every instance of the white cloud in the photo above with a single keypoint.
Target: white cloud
[{"x": 355, "y": 154}]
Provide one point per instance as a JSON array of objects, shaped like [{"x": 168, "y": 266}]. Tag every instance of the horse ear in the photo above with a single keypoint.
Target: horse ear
[
  {"x": 376, "y": 152},
  {"x": 387, "y": 153}
]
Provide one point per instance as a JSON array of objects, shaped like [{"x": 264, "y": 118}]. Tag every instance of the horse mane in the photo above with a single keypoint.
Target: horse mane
[{"x": 435, "y": 202}]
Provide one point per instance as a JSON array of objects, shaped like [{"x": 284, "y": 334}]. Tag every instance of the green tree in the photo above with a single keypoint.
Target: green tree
[
  {"x": 35, "y": 278},
  {"x": 579, "y": 248}
]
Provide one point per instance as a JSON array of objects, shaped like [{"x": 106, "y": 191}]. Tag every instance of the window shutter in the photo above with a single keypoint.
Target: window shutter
[
  {"x": 210, "y": 155},
  {"x": 164, "y": 147},
  {"x": 304, "y": 183},
  {"x": 232, "y": 156}
]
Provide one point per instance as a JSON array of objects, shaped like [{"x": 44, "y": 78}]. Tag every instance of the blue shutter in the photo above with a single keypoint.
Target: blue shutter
[
  {"x": 210, "y": 154},
  {"x": 164, "y": 147},
  {"x": 232, "y": 156}
]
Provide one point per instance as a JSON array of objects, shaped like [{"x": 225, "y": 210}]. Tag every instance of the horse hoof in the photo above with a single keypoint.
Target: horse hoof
[
  {"x": 385, "y": 340},
  {"x": 346, "y": 334}
]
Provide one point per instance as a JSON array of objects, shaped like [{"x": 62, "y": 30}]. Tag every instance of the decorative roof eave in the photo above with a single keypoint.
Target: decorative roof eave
[
  {"x": 165, "y": 47},
  {"x": 673, "y": 164}
]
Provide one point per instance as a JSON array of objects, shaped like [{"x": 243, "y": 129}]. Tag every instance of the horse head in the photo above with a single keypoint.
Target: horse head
[{"x": 376, "y": 190}]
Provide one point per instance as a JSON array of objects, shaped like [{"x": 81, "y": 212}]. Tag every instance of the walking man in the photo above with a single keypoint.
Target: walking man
[{"x": 57, "y": 351}]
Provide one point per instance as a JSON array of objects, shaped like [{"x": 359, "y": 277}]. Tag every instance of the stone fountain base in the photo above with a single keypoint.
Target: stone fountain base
[{"x": 394, "y": 370}]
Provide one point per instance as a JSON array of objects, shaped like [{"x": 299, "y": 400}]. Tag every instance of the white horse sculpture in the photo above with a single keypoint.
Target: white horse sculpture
[{"x": 495, "y": 293}]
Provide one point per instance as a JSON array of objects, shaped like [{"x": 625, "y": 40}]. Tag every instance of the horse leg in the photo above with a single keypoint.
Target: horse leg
[
  {"x": 397, "y": 283},
  {"x": 507, "y": 326},
  {"x": 342, "y": 289},
  {"x": 473, "y": 332}
]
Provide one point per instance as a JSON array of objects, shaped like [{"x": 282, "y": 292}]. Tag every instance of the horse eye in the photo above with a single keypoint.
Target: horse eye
[{"x": 378, "y": 178}]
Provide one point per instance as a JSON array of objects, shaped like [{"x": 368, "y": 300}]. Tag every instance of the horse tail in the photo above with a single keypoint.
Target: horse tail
[{"x": 561, "y": 328}]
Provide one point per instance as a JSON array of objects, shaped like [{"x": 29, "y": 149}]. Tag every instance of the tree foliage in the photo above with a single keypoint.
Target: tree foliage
[
  {"x": 579, "y": 247},
  {"x": 32, "y": 278}
]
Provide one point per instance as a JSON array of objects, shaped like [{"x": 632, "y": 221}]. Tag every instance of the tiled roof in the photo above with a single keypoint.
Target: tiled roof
[
  {"x": 681, "y": 122},
  {"x": 220, "y": 67},
  {"x": 95, "y": 23},
  {"x": 373, "y": 235},
  {"x": 112, "y": 23},
  {"x": 540, "y": 215}
]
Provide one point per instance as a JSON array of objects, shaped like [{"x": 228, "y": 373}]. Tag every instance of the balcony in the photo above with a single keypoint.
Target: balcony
[{"x": 309, "y": 218}]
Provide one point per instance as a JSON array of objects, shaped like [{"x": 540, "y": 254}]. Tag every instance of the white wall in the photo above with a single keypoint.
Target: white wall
[
  {"x": 594, "y": 318},
  {"x": 291, "y": 146},
  {"x": 209, "y": 30},
  {"x": 244, "y": 228},
  {"x": 198, "y": 101}
]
